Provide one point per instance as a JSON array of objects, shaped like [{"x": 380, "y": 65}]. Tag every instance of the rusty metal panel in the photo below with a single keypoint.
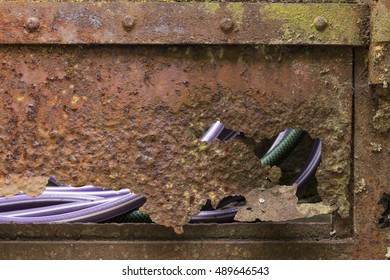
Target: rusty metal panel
[
  {"x": 369, "y": 241},
  {"x": 183, "y": 23},
  {"x": 132, "y": 116},
  {"x": 371, "y": 166}
]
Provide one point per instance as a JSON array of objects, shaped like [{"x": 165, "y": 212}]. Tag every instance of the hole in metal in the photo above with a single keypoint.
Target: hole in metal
[{"x": 384, "y": 220}]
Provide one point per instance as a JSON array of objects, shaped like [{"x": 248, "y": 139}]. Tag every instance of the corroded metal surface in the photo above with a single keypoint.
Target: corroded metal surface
[
  {"x": 131, "y": 232},
  {"x": 132, "y": 116},
  {"x": 371, "y": 168},
  {"x": 215, "y": 249},
  {"x": 368, "y": 240},
  {"x": 379, "y": 55},
  {"x": 182, "y": 23}
]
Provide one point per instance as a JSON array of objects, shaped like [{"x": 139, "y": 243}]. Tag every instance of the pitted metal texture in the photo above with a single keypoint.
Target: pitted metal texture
[{"x": 132, "y": 117}]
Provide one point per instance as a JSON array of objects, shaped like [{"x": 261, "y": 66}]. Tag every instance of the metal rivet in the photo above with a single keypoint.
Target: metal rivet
[
  {"x": 128, "y": 23},
  {"x": 227, "y": 25},
  {"x": 320, "y": 23},
  {"x": 32, "y": 24}
]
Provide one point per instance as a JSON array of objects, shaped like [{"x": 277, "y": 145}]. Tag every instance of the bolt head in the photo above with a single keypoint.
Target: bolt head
[
  {"x": 128, "y": 23},
  {"x": 32, "y": 24},
  {"x": 320, "y": 23},
  {"x": 227, "y": 25}
]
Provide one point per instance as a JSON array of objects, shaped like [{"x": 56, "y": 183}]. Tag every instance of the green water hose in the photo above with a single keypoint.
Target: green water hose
[
  {"x": 134, "y": 216},
  {"x": 284, "y": 148},
  {"x": 272, "y": 158}
]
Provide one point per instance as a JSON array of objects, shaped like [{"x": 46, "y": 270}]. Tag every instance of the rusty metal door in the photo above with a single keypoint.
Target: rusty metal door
[{"x": 118, "y": 94}]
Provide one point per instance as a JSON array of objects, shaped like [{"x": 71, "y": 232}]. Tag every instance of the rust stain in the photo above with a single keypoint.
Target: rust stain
[{"x": 33, "y": 75}]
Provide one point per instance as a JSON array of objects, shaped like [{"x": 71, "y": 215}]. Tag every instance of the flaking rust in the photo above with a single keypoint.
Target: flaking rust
[
  {"x": 132, "y": 117},
  {"x": 278, "y": 204}
]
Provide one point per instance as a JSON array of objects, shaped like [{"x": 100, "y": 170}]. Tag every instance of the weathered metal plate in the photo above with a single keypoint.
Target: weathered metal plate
[
  {"x": 132, "y": 116},
  {"x": 183, "y": 23},
  {"x": 278, "y": 204},
  {"x": 371, "y": 167}
]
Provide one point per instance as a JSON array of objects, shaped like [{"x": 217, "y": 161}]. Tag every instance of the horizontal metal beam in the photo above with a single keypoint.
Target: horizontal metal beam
[
  {"x": 248, "y": 231},
  {"x": 205, "y": 249},
  {"x": 183, "y": 23}
]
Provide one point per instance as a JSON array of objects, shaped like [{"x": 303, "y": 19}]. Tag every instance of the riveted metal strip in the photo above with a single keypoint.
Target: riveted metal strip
[{"x": 183, "y": 23}]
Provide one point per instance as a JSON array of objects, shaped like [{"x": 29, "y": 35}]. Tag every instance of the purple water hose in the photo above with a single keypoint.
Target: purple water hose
[
  {"x": 109, "y": 208},
  {"x": 310, "y": 168},
  {"x": 213, "y": 132},
  {"x": 51, "y": 210}
]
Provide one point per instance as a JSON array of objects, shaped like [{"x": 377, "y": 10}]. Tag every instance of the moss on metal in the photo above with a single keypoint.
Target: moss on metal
[{"x": 296, "y": 22}]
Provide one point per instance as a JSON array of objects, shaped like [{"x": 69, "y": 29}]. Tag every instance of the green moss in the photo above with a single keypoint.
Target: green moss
[
  {"x": 381, "y": 23},
  {"x": 203, "y": 147},
  {"x": 211, "y": 8},
  {"x": 237, "y": 11},
  {"x": 296, "y": 22}
]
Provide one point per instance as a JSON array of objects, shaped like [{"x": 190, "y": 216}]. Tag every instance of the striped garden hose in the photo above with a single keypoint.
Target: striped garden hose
[{"x": 284, "y": 148}]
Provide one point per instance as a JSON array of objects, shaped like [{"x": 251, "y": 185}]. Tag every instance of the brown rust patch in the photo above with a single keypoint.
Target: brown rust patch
[
  {"x": 132, "y": 117},
  {"x": 371, "y": 240}
]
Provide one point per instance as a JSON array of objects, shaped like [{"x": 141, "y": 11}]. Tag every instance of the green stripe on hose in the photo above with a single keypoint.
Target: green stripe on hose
[
  {"x": 284, "y": 148},
  {"x": 134, "y": 216}
]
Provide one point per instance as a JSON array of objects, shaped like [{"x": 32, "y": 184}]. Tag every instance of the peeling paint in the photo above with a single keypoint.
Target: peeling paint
[{"x": 278, "y": 204}]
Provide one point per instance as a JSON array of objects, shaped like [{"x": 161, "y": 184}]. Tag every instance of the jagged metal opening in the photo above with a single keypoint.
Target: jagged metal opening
[
  {"x": 293, "y": 151},
  {"x": 384, "y": 220},
  {"x": 292, "y": 164},
  {"x": 291, "y": 158}
]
